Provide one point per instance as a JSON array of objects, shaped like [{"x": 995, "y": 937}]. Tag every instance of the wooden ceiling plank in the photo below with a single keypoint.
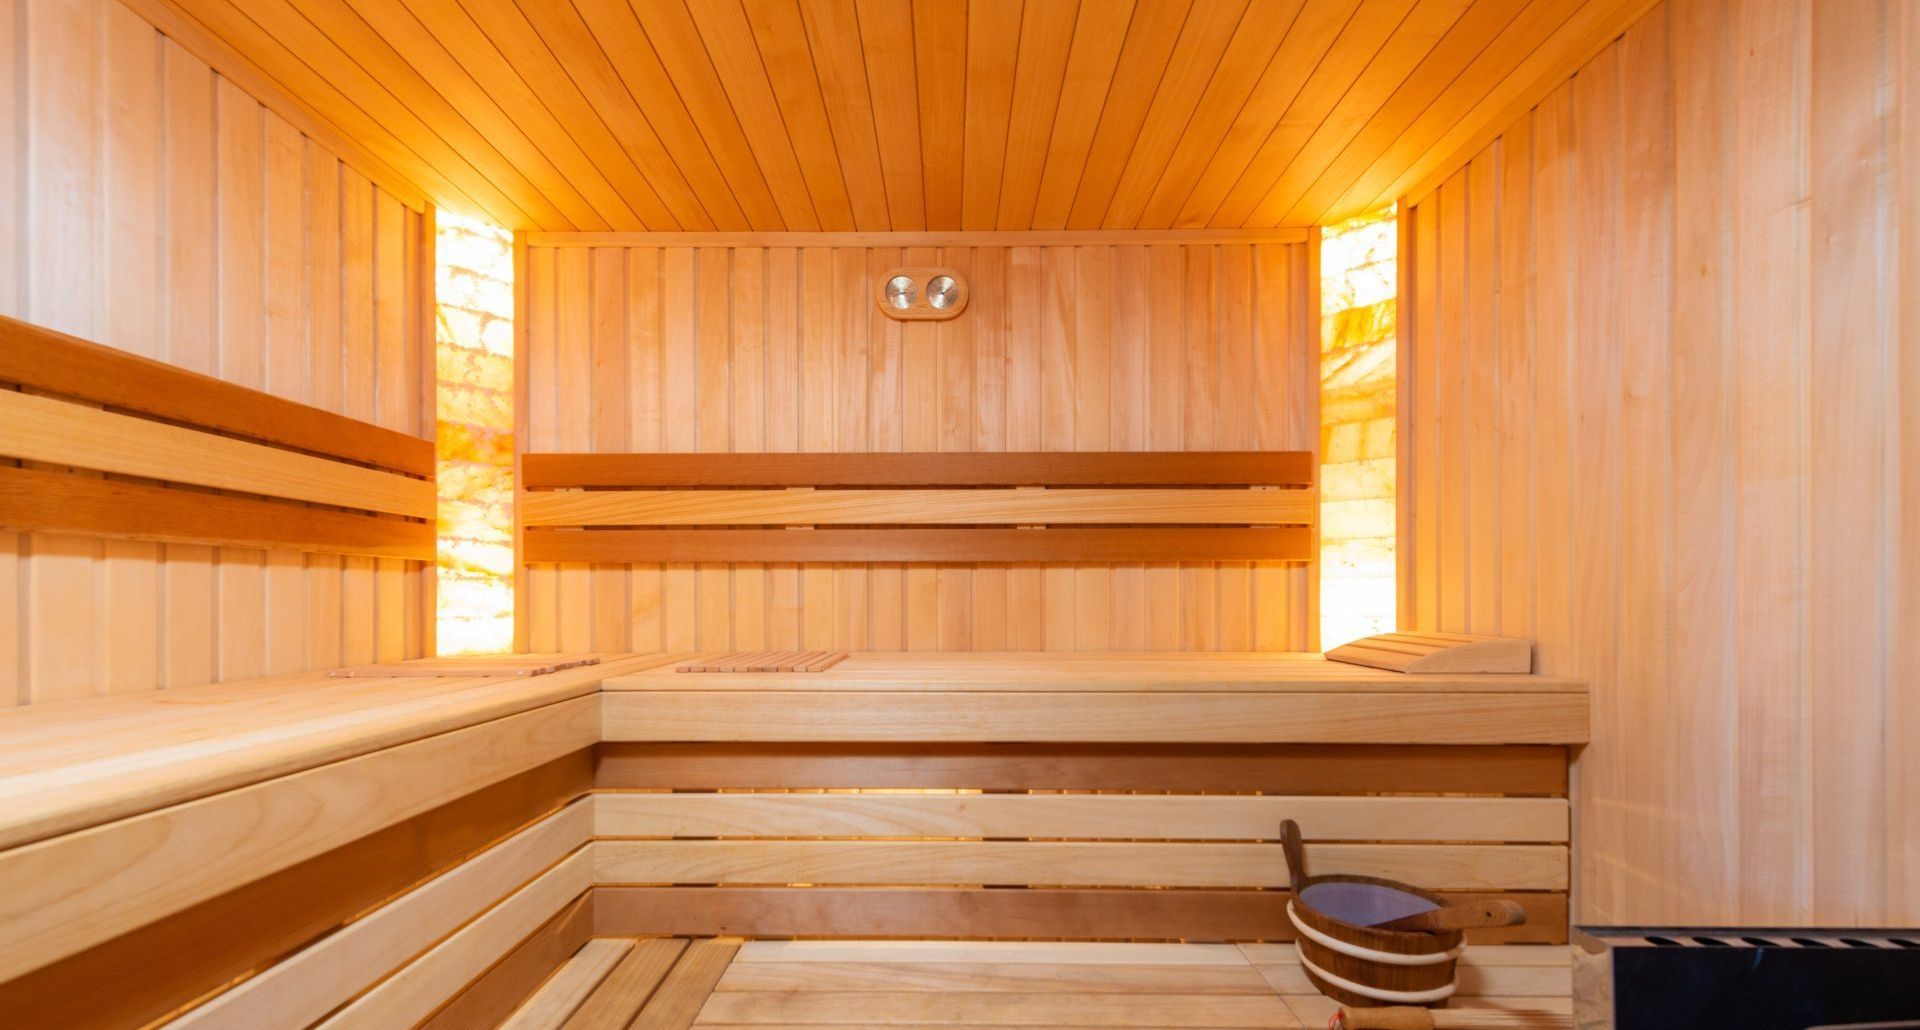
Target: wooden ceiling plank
[
  {"x": 437, "y": 89},
  {"x": 1492, "y": 67},
  {"x": 782, "y": 42},
  {"x": 1199, "y": 178},
  {"x": 886, "y": 42},
  {"x": 1443, "y": 86},
  {"x": 1581, "y": 39},
  {"x": 833, "y": 32},
  {"x": 189, "y": 34},
  {"x": 1254, "y": 50},
  {"x": 605, "y": 175},
  {"x": 1365, "y": 33},
  {"x": 635, "y": 157},
  {"x": 227, "y": 24},
  {"x": 1153, "y": 39},
  {"x": 1430, "y": 22},
  {"x": 1098, "y": 37},
  {"x": 736, "y": 54},
  {"x": 433, "y": 130},
  {"x": 759, "y": 164},
  {"x": 993, "y": 45},
  {"x": 1046, "y": 38},
  {"x": 615, "y": 88},
  {"x": 940, "y": 63},
  {"x": 1196, "y": 58}
]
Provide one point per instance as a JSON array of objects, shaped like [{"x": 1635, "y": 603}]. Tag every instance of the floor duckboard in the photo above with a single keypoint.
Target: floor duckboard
[{"x": 821, "y": 985}]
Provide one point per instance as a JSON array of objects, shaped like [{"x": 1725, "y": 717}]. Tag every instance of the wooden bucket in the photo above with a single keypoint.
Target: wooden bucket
[{"x": 1351, "y": 961}]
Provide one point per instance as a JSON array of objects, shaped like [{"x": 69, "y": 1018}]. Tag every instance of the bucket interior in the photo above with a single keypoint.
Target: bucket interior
[{"x": 1363, "y": 904}]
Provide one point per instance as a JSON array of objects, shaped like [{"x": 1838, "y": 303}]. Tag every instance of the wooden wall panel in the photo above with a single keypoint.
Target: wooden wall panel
[
  {"x": 168, "y": 213},
  {"x": 1063, "y": 348},
  {"x": 1685, "y": 467}
]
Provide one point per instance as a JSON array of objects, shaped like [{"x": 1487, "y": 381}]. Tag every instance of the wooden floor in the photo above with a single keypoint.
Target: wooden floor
[{"x": 672, "y": 984}]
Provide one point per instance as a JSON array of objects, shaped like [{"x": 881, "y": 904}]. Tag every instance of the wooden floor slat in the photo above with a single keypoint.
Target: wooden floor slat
[
  {"x": 921, "y": 1008},
  {"x": 570, "y": 986},
  {"x": 679, "y": 1000},
  {"x": 626, "y": 990},
  {"x": 995, "y": 977},
  {"x": 975, "y": 985}
]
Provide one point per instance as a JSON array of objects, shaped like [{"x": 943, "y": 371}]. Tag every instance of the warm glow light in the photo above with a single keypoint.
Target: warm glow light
[
  {"x": 473, "y": 348},
  {"x": 1359, "y": 278}
]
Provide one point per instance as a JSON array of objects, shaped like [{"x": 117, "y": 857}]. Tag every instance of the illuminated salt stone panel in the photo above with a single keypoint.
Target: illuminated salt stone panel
[
  {"x": 473, "y": 352},
  {"x": 1359, "y": 279}
]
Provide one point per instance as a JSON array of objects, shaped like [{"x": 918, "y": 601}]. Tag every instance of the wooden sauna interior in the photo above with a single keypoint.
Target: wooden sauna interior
[{"x": 868, "y": 671}]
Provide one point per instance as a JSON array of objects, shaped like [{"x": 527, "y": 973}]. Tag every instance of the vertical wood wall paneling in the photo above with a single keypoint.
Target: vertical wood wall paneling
[
  {"x": 1694, "y": 464},
  {"x": 1162, "y": 347},
  {"x": 168, "y": 213}
]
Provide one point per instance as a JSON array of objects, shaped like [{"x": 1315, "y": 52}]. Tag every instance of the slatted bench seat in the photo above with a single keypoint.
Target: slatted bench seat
[
  {"x": 1071, "y": 795},
  {"x": 392, "y": 850},
  {"x": 198, "y": 834}
]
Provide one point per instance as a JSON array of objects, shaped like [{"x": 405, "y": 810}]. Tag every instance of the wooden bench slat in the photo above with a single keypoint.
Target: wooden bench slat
[
  {"x": 1079, "y": 816},
  {"x": 1089, "y": 915},
  {"x": 914, "y": 507},
  {"x": 1353, "y": 716},
  {"x": 1098, "y": 864},
  {"x": 42, "y": 359},
  {"x": 36, "y": 501},
  {"x": 1079, "y": 468},
  {"x": 1294, "y": 769},
  {"x": 1066, "y": 544},
  {"x": 57, "y": 432}
]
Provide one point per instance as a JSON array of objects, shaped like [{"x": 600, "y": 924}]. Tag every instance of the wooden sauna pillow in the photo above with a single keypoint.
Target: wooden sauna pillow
[{"x": 1437, "y": 652}]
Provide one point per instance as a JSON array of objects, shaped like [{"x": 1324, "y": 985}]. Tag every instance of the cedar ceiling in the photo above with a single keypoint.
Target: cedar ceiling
[{"x": 872, "y": 115}]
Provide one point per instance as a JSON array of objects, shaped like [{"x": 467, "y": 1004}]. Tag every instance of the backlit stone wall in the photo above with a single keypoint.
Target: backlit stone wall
[
  {"x": 473, "y": 348},
  {"x": 1358, "y": 280}
]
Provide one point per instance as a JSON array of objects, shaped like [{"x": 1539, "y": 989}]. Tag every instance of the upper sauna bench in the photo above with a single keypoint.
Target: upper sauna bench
[{"x": 1092, "y": 696}]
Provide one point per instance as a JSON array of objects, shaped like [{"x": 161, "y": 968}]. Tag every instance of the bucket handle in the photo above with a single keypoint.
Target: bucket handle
[{"x": 1296, "y": 853}]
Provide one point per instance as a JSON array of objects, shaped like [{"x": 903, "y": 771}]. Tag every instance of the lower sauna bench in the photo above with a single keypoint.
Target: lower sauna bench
[{"x": 461, "y": 851}]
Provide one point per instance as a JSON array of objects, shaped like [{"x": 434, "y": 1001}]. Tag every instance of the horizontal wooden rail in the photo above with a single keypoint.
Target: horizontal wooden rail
[
  {"x": 1092, "y": 507},
  {"x": 53, "y": 362},
  {"x": 288, "y": 476},
  {"x": 56, "y": 432},
  {"x": 617, "y": 546},
  {"x": 57, "y": 502},
  {"x": 1211, "y": 768},
  {"x": 1078, "y": 469},
  {"x": 913, "y": 507}
]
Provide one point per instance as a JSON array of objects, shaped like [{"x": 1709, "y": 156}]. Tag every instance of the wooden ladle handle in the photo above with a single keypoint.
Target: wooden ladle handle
[
  {"x": 1296, "y": 855},
  {"x": 1463, "y": 916}
]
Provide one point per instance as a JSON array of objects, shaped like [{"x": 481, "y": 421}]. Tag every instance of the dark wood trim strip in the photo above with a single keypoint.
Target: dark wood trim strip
[
  {"x": 141, "y": 976},
  {"x": 618, "y": 546},
  {"x": 38, "y": 501},
  {"x": 1296, "y": 769},
  {"x": 40, "y": 358},
  {"x": 1198, "y": 915},
  {"x": 493, "y": 996},
  {"x": 921, "y": 469}
]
